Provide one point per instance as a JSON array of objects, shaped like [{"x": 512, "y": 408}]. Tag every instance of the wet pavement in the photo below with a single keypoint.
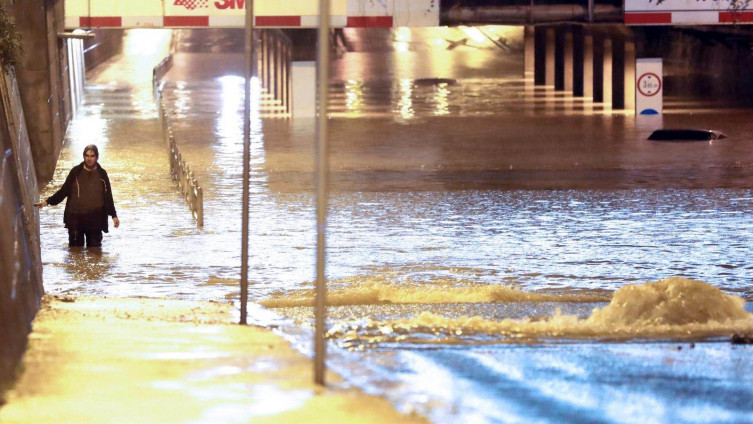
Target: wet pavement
[{"x": 96, "y": 360}]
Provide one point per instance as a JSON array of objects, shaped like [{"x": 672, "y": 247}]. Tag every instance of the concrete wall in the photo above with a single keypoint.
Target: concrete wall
[
  {"x": 43, "y": 80},
  {"x": 34, "y": 113},
  {"x": 20, "y": 258},
  {"x": 105, "y": 44}
]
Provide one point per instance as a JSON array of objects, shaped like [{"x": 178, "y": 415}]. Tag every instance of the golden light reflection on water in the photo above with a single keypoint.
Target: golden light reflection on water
[
  {"x": 232, "y": 103},
  {"x": 229, "y": 124},
  {"x": 354, "y": 95},
  {"x": 405, "y": 102},
  {"x": 442, "y": 100},
  {"x": 402, "y": 39},
  {"x": 89, "y": 264},
  {"x": 89, "y": 128},
  {"x": 182, "y": 103}
]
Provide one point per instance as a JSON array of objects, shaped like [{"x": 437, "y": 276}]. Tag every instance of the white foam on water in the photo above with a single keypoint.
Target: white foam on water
[
  {"x": 378, "y": 292},
  {"x": 671, "y": 308}
]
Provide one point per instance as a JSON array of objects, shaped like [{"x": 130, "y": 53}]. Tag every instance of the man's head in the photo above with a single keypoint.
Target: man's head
[{"x": 91, "y": 156}]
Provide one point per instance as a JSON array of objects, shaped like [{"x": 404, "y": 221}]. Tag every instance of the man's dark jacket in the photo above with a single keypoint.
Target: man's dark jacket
[{"x": 70, "y": 187}]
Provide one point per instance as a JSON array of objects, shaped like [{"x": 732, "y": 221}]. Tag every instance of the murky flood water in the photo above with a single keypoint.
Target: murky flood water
[{"x": 475, "y": 224}]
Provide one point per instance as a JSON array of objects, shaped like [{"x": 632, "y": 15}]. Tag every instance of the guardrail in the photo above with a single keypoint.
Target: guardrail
[{"x": 181, "y": 172}]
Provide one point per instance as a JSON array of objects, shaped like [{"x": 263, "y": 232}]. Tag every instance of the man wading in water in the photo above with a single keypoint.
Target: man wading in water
[{"x": 89, "y": 201}]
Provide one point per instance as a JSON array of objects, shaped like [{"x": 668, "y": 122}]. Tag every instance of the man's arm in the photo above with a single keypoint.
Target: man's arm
[
  {"x": 59, "y": 195},
  {"x": 109, "y": 202}
]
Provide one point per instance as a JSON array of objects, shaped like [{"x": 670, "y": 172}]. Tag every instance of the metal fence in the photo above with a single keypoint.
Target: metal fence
[{"x": 181, "y": 172}]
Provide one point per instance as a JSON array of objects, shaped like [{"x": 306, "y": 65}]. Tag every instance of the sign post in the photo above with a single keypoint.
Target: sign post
[
  {"x": 322, "y": 192},
  {"x": 249, "y": 74},
  {"x": 649, "y": 84}
]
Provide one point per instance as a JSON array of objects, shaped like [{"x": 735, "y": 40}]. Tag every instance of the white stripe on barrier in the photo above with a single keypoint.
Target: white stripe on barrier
[
  {"x": 710, "y": 17},
  {"x": 227, "y": 21},
  {"x": 312, "y": 21}
]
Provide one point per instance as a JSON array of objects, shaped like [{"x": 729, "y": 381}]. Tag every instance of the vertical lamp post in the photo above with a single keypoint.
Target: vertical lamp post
[
  {"x": 249, "y": 73},
  {"x": 322, "y": 174}
]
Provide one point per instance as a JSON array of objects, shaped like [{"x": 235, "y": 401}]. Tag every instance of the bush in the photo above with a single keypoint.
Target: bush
[{"x": 10, "y": 40}]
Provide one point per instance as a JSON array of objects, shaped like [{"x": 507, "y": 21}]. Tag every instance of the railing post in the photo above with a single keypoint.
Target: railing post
[{"x": 200, "y": 207}]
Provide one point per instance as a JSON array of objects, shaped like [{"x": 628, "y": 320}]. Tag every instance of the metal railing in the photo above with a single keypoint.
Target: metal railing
[
  {"x": 181, "y": 172},
  {"x": 184, "y": 177}
]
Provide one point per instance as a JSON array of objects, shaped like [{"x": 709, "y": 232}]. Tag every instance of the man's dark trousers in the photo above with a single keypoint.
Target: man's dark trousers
[{"x": 76, "y": 237}]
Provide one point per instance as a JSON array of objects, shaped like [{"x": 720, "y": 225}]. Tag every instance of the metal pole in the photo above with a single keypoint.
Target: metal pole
[
  {"x": 322, "y": 174},
  {"x": 246, "y": 156}
]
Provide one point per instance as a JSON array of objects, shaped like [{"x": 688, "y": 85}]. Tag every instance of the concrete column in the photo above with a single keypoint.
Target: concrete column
[
  {"x": 304, "y": 89},
  {"x": 267, "y": 63},
  {"x": 598, "y": 69},
  {"x": 550, "y": 56},
  {"x": 607, "y": 72},
  {"x": 529, "y": 50},
  {"x": 286, "y": 77},
  {"x": 262, "y": 47},
  {"x": 579, "y": 62},
  {"x": 568, "y": 59},
  {"x": 559, "y": 58},
  {"x": 278, "y": 69},
  {"x": 629, "y": 76},
  {"x": 539, "y": 75},
  {"x": 588, "y": 66},
  {"x": 618, "y": 74}
]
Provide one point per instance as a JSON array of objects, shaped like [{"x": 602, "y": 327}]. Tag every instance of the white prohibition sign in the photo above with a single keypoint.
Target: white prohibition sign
[{"x": 649, "y": 84}]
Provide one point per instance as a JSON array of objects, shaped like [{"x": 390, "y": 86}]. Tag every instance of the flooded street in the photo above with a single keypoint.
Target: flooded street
[{"x": 475, "y": 224}]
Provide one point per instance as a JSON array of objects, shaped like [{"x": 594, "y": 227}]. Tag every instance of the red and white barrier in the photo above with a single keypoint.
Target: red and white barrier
[
  {"x": 230, "y": 13},
  {"x": 685, "y": 12}
]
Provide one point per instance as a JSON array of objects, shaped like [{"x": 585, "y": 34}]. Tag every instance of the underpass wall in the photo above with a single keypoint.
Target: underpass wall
[
  {"x": 709, "y": 62},
  {"x": 105, "y": 44},
  {"x": 43, "y": 79},
  {"x": 20, "y": 258}
]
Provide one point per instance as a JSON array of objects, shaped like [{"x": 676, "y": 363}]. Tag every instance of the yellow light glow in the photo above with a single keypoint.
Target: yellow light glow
[
  {"x": 146, "y": 42},
  {"x": 403, "y": 34},
  {"x": 474, "y": 34}
]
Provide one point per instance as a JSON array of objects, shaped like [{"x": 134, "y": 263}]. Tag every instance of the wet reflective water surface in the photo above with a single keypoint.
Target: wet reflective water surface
[{"x": 497, "y": 252}]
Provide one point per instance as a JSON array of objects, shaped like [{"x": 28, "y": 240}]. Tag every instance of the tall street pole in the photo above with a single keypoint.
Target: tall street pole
[
  {"x": 249, "y": 73},
  {"x": 322, "y": 193}
]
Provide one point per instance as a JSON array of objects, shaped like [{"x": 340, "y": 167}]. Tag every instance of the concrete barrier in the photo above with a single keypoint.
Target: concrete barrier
[{"x": 20, "y": 257}]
